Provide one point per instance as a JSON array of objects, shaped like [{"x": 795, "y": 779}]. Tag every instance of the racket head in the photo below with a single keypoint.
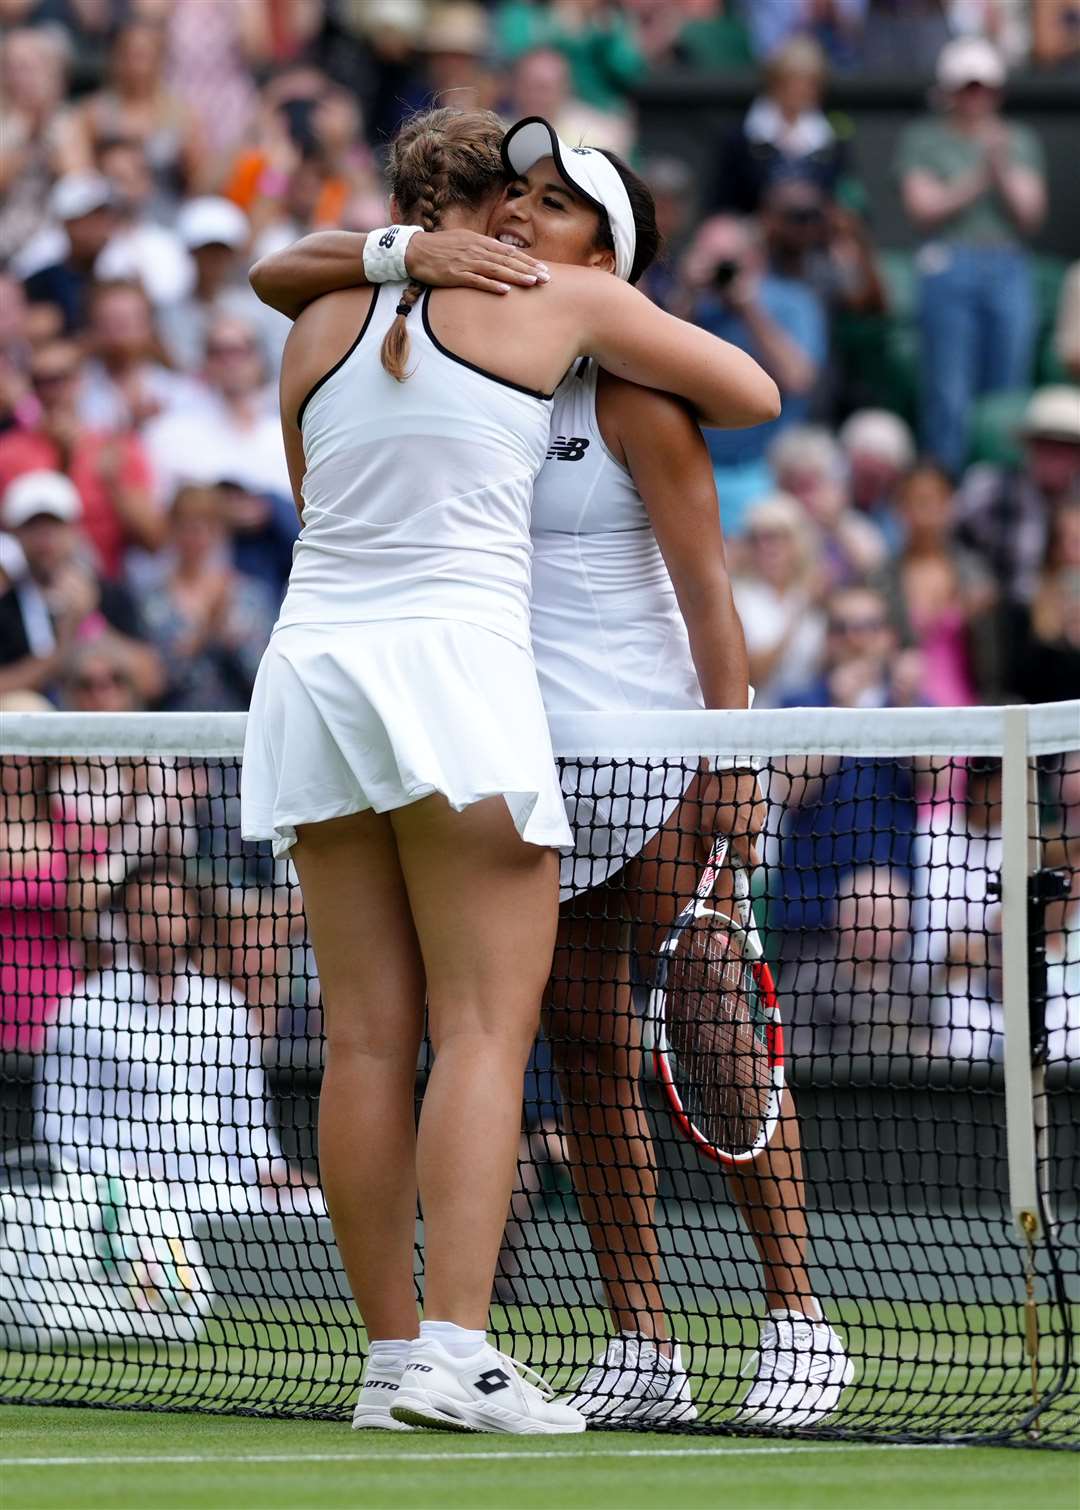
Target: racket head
[{"x": 716, "y": 1036}]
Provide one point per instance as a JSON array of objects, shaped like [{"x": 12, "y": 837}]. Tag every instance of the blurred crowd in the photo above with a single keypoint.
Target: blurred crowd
[{"x": 906, "y": 534}]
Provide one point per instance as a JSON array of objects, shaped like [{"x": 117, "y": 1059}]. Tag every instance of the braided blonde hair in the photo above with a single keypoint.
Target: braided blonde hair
[{"x": 439, "y": 158}]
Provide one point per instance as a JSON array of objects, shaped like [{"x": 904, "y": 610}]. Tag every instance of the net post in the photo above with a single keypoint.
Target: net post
[{"x": 1019, "y": 858}]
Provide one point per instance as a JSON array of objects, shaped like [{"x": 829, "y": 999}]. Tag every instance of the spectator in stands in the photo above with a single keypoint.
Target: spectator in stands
[
  {"x": 1006, "y": 514},
  {"x": 835, "y": 25},
  {"x": 154, "y": 1040},
  {"x": 262, "y": 529},
  {"x": 1048, "y": 657},
  {"x": 1067, "y": 328},
  {"x": 137, "y": 105},
  {"x": 784, "y": 132},
  {"x": 42, "y": 510},
  {"x": 941, "y": 594},
  {"x": 957, "y": 917},
  {"x": 1055, "y": 35},
  {"x": 124, "y": 383},
  {"x": 457, "y": 43},
  {"x": 913, "y": 31},
  {"x": 109, "y": 469},
  {"x": 29, "y": 654},
  {"x": 36, "y": 137},
  {"x": 777, "y": 593},
  {"x": 599, "y": 42},
  {"x": 726, "y": 288},
  {"x": 974, "y": 187},
  {"x": 99, "y": 676},
  {"x": 879, "y": 449},
  {"x": 855, "y": 990},
  {"x": 809, "y": 465},
  {"x": 58, "y": 267},
  {"x": 236, "y": 433},
  {"x": 811, "y": 238},
  {"x": 540, "y": 84},
  {"x": 672, "y": 183},
  {"x": 37, "y": 960},
  {"x": 209, "y": 622},
  {"x": 217, "y": 235},
  {"x": 841, "y": 814},
  {"x": 142, "y": 249}
]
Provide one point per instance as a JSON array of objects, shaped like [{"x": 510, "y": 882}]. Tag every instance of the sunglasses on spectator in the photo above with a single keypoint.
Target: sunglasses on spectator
[{"x": 858, "y": 626}]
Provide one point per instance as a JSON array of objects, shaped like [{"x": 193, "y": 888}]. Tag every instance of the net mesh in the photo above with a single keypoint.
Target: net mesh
[{"x": 164, "y": 1241}]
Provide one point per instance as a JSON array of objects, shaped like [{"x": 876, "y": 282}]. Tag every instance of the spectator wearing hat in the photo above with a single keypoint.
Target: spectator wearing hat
[
  {"x": 457, "y": 42},
  {"x": 124, "y": 384},
  {"x": 1006, "y": 514},
  {"x": 236, "y": 435},
  {"x": 58, "y": 267},
  {"x": 785, "y": 132},
  {"x": 42, "y": 511},
  {"x": 974, "y": 186},
  {"x": 217, "y": 234},
  {"x": 110, "y": 469}
]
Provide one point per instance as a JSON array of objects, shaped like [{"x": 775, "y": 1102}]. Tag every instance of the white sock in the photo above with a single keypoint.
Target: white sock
[
  {"x": 388, "y": 1353},
  {"x": 458, "y": 1341}
]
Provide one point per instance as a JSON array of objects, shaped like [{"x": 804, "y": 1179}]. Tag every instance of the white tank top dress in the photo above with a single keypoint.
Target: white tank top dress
[
  {"x": 607, "y": 631},
  {"x": 401, "y": 663}
]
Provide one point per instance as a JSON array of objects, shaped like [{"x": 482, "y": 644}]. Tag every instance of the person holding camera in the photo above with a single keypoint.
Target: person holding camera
[{"x": 727, "y": 288}]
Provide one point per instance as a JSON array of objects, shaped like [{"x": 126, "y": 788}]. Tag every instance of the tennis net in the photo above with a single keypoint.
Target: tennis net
[{"x": 163, "y": 1240}]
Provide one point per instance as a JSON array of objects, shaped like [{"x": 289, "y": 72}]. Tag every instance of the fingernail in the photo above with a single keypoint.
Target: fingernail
[
  {"x": 504, "y": 288},
  {"x": 544, "y": 275}
]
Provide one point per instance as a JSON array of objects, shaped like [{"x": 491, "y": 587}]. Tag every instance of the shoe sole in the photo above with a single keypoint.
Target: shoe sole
[
  {"x": 440, "y": 1413},
  {"x": 376, "y": 1418}
]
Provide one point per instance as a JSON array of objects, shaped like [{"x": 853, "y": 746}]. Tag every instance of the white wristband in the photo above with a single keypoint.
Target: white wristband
[{"x": 384, "y": 253}]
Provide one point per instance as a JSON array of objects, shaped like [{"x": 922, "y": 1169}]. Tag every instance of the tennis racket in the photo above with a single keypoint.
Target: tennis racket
[{"x": 713, "y": 1023}]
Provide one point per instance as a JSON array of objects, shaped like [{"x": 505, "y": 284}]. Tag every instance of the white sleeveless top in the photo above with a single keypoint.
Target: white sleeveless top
[
  {"x": 607, "y": 630},
  {"x": 417, "y": 495}
]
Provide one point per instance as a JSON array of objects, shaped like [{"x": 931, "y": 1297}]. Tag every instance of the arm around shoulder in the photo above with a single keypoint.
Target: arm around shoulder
[{"x": 631, "y": 338}]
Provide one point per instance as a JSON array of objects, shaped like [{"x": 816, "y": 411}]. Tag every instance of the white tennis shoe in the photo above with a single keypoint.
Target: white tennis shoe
[
  {"x": 378, "y": 1391},
  {"x": 800, "y": 1372},
  {"x": 485, "y": 1392},
  {"x": 636, "y": 1382}
]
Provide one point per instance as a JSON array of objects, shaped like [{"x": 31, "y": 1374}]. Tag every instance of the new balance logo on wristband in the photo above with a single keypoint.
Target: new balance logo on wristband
[
  {"x": 567, "y": 448},
  {"x": 388, "y": 237},
  {"x": 491, "y": 1382}
]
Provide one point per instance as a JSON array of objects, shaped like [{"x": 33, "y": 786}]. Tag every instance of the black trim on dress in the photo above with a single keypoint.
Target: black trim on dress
[
  {"x": 464, "y": 362},
  {"x": 313, "y": 390}
]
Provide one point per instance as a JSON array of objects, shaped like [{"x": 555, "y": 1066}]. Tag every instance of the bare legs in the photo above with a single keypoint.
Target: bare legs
[
  {"x": 595, "y": 1045},
  {"x": 373, "y": 1003},
  {"x": 460, "y": 898}
]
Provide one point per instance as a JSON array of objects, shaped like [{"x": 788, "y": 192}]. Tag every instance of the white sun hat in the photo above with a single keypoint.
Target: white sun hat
[{"x": 586, "y": 170}]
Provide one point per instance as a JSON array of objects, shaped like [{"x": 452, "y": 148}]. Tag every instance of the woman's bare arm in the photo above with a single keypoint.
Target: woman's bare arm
[
  {"x": 328, "y": 261},
  {"x": 631, "y": 338}
]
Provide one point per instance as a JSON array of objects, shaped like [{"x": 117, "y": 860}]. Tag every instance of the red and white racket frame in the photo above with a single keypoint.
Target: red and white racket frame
[{"x": 654, "y": 1032}]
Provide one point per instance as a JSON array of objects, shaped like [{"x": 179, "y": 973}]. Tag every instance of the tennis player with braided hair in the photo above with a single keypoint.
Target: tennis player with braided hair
[
  {"x": 397, "y": 746},
  {"x": 624, "y": 504}
]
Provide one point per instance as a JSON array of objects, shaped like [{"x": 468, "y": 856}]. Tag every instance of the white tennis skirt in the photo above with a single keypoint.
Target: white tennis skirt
[
  {"x": 347, "y": 717},
  {"x": 615, "y": 809}
]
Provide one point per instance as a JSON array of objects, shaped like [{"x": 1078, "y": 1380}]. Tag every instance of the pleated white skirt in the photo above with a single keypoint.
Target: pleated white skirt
[
  {"x": 615, "y": 809},
  {"x": 347, "y": 717}
]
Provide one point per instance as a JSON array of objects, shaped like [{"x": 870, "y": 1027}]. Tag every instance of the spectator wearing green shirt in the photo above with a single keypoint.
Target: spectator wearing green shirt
[
  {"x": 974, "y": 185},
  {"x": 597, "y": 41}
]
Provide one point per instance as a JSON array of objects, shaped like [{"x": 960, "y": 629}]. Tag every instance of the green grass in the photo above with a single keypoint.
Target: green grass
[
  {"x": 107, "y": 1460},
  {"x": 941, "y": 1368}
]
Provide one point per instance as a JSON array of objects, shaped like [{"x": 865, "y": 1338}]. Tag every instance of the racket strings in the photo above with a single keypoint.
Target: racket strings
[{"x": 717, "y": 1043}]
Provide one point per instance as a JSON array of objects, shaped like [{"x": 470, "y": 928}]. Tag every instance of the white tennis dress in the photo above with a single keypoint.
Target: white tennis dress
[
  {"x": 401, "y": 662},
  {"x": 607, "y": 631}
]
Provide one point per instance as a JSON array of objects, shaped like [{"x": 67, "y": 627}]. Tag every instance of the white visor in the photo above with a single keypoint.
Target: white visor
[{"x": 587, "y": 171}]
